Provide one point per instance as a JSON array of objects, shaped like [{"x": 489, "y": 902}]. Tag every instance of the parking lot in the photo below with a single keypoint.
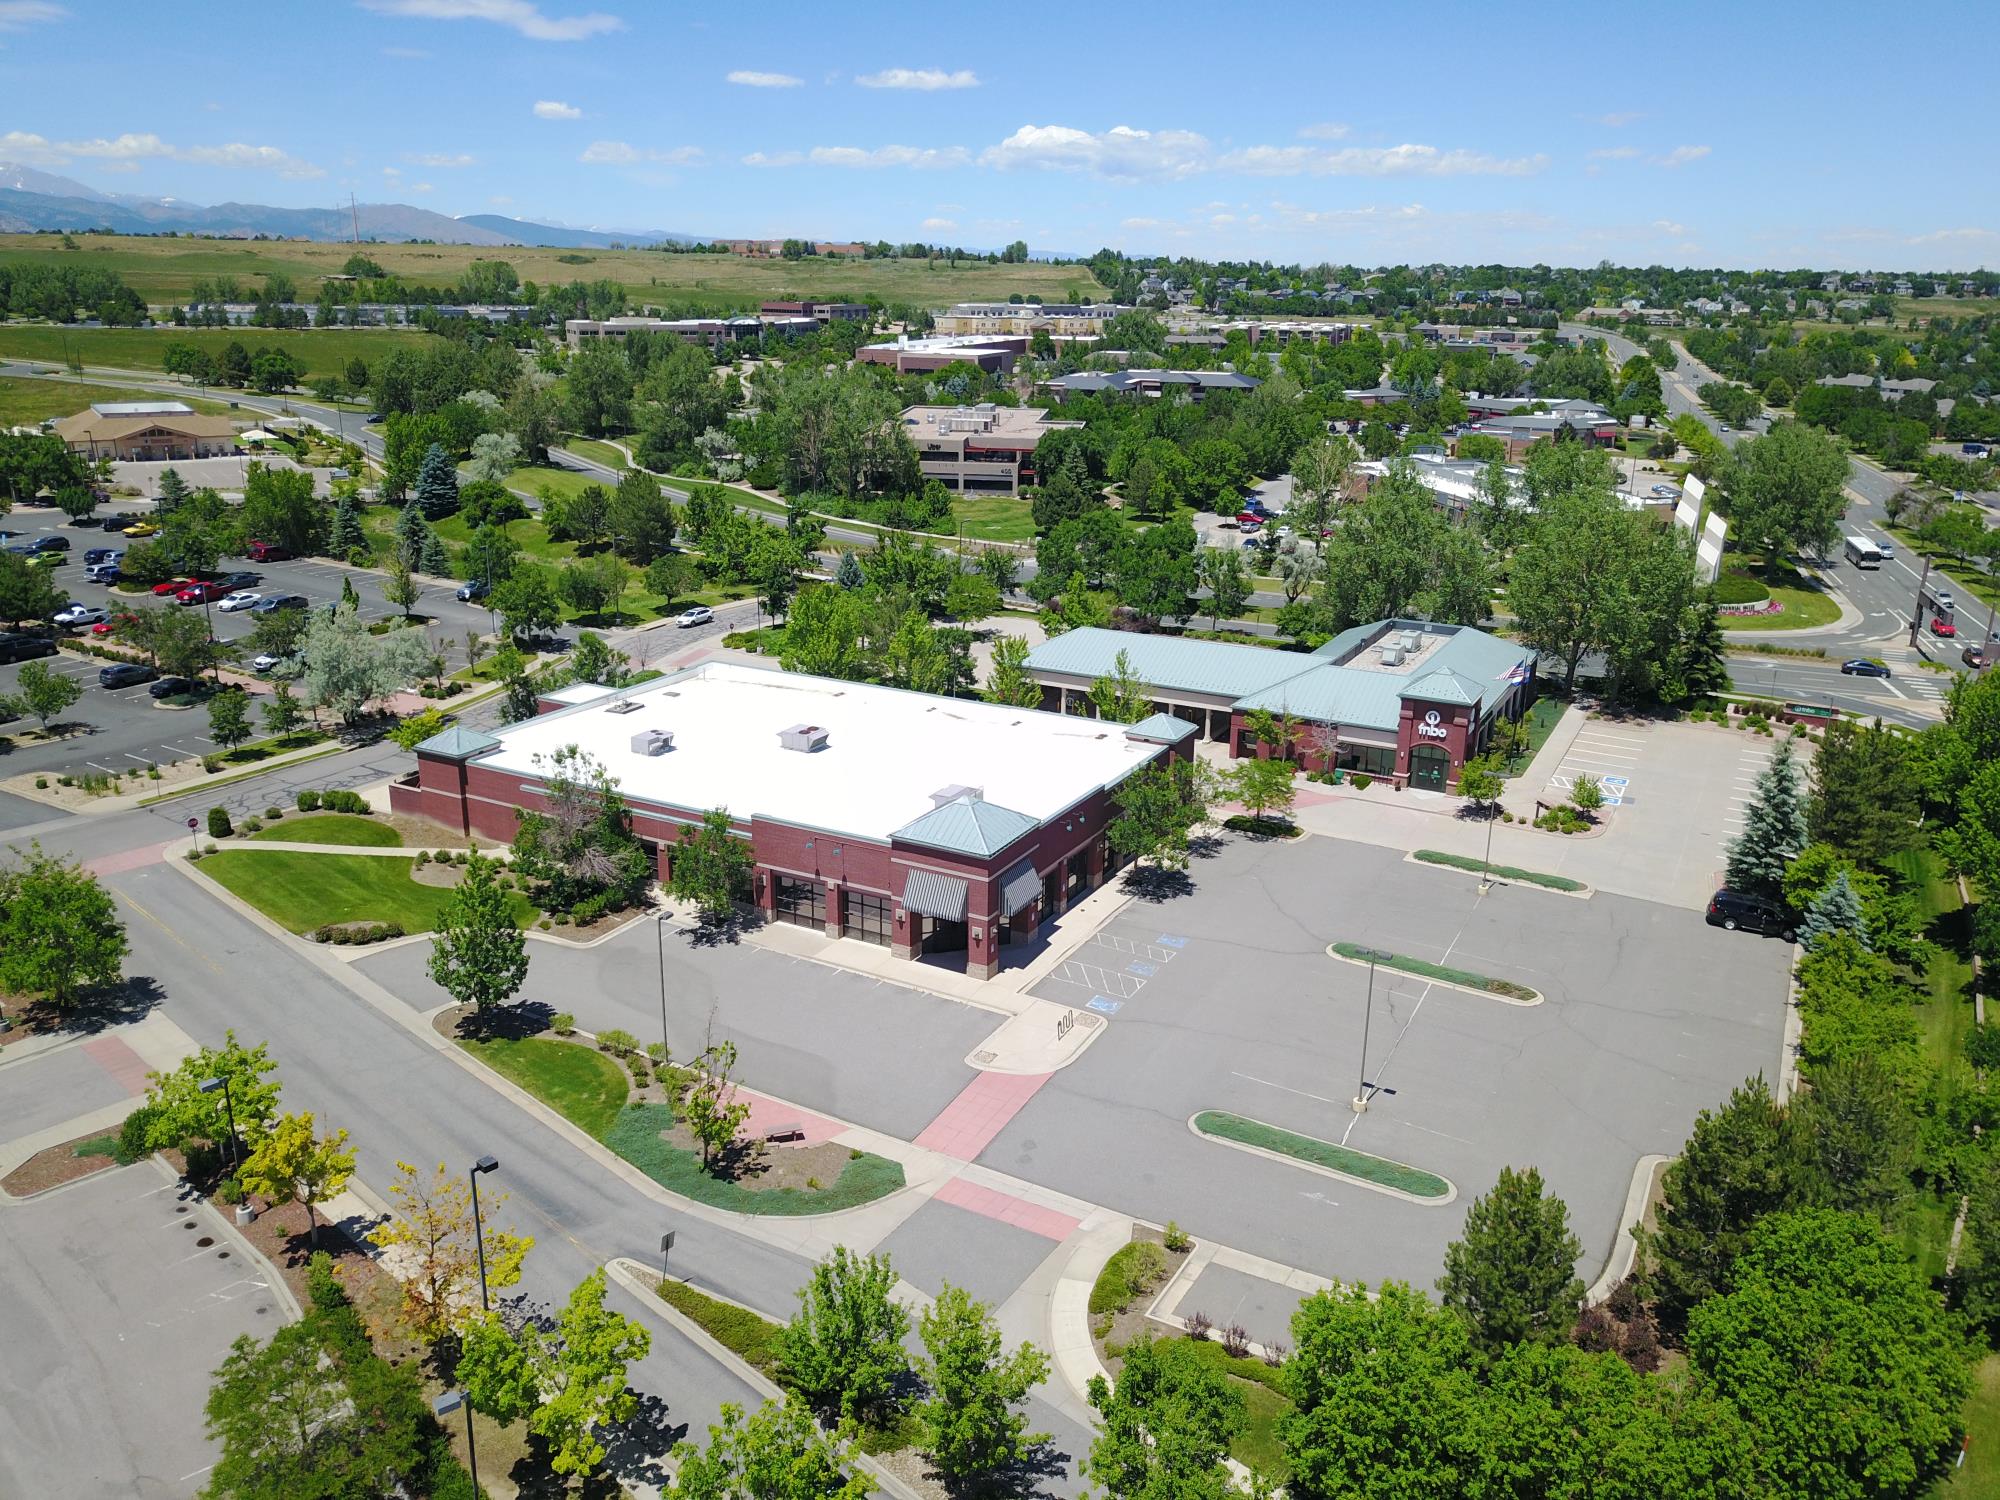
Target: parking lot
[{"x": 1226, "y": 999}]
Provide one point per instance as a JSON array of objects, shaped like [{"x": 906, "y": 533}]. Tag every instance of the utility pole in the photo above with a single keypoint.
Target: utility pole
[{"x": 355, "y": 210}]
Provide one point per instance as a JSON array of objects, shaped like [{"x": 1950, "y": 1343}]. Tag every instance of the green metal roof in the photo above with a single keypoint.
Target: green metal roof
[
  {"x": 967, "y": 825},
  {"x": 457, "y": 743},
  {"x": 1443, "y": 685},
  {"x": 1165, "y": 728},
  {"x": 1169, "y": 662}
]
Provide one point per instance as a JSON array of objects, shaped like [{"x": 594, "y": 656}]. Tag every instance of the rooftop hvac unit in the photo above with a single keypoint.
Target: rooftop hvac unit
[
  {"x": 1413, "y": 640},
  {"x": 652, "y": 742},
  {"x": 806, "y": 737},
  {"x": 623, "y": 706},
  {"x": 946, "y": 794},
  {"x": 1392, "y": 656}
]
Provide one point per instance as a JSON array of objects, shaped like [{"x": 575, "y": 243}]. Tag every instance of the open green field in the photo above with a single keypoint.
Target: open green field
[
  {"x": 994, "y": 518},
  {"x": 165, "y": 270},
  {"x": 301, "y": 891},
  {"x": 321, "y": 351},
  {"x": 27, "y": 399}
]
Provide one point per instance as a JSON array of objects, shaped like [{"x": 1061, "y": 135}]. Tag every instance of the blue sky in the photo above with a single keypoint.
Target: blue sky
[{"x": 1703, "y": 133}]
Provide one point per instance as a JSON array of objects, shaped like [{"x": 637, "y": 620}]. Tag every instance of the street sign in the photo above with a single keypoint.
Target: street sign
[{"x": 192, "y": 825}]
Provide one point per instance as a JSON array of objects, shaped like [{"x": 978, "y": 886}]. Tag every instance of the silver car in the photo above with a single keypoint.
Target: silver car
[{"x": 241, "y": 599}]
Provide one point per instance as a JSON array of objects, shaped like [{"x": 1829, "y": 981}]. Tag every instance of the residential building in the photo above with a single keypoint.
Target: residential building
[
  {"x": 1890, "y": 390},
  {"x": 1026, "y": 317},
  {"x": 771, "y": 249},
  {"x": 934, "y": 827},
  {"x": 1406, "y": 701},
  {"x": 147, "y": 431},
  {"x": 1455, "y": 483},
  {"x": 984, "y": 449}
]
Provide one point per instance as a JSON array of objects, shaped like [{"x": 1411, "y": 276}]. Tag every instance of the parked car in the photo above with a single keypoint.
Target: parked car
[
  {"x": 271, "y": 603},
  {"x": 1666, "y": 492},
  {"x": 200, "y": 593},
  {"x": 171, "y": 586},
  {"x": 241, "y": 599},
  {"x": 699, "y": 614},
  {"x": 115, "y": 624},
  {"x": 168, "y": 687},
  {"x": 1248, "y": 518},
  {"x": 114, "y": 523},
  {"x": 78, "y": 614},
  {"x": 49, "y": 544},
  {"x": 242, "y": 578},
  {"x": 104, "y": 572},
  {"x": 1941, "y": 626},
  {"x": 1862, "y": 666},
  {"x": 46, "y": 559},
  {"x": 471, "y": 592},
  {"x": 140, "y": 528},
  {"x": 1730, "y": 910},
  {"x": 372, "y": 418},
  {"x": 266, "y": 552},
  {"x": 265, "y": 661},
  {"x": 15, "y": 646},
  {"x": 1973, "y": 450},
  {"x": 101, "y": 554},
  {"x": 125, "y": 674}
]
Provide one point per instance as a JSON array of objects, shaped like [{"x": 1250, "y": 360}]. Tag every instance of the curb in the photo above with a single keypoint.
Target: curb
[
  {"x": 1794, "y": 1031},
  {"x": 1624, "y": 1248},
  {"x": 1447, "y": 983},
  {"x": 1338, "y": 1176},
  {"x": 1512, "y": 884},
  {"x": 243, "y": 1247}
]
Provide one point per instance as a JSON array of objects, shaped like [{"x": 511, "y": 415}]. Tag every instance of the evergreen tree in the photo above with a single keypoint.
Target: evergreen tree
[
  {"x": 1857, "y": 1127},
  {"x": 173, "y": 490},
  {"x": 1835, "y": 909},
  {"x": 413, "y": 533},
  {"x": 849, "y": 575},
  {"x": 1774, "y": 831},
  {"x": 346, "y": 533},
  {"x": 437, "y": 484},
  {"x": 1513, "y": 1276},
  {"x": 434, "y": 561}
]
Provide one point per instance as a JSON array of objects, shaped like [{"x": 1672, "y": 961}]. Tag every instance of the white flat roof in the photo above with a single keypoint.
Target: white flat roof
[{"x": 887, "y": 750}]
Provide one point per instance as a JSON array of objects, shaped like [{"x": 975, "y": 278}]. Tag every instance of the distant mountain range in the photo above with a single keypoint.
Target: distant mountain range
[{"x": 32, "y": 200}]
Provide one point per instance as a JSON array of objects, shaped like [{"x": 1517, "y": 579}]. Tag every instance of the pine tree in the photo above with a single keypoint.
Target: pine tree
[
  {"x": 1835, "y": 909},
  {"x": 435, "y": 561},
  {"x": 1513, "y": 1277},
  {"x": 1774, "y": 831},
  {"x": 437, "y": 484},
  {"x": 173, "y": 490},
  {"x": 849, "y": 574},
  {"x": 412, "y": 533},
  {"x": 346, "y": 533}
]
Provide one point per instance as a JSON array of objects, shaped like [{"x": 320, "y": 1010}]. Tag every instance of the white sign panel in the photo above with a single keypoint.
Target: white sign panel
[
  {"x": 1432, "y": 727},
  {"x": 1695, "y": 489}
]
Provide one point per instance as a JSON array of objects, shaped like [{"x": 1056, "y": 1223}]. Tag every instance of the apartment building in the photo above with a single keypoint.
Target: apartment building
[{"x": 984, "y": 449}]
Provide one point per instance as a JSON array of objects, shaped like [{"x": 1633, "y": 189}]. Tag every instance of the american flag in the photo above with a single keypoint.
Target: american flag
[{"x": 1517, "y": 673}]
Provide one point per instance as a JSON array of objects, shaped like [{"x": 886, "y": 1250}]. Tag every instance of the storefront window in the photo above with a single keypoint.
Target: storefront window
[
  {"x": 800, "y": 902},
  {"x": 868, "y": 917},
  {"x": 1370, "y": 760}
]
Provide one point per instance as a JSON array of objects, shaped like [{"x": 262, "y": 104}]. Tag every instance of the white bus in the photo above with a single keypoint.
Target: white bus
[{"x": 1863, "y": 553}]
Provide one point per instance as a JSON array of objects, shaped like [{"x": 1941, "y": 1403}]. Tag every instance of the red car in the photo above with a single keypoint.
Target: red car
[
  {"x": 113, "y": 625},
  {"x": 201, "y": 593},
  {"x": 266, "y": 552},
  {"x": 161, "y": 590},
  {"x": 1941, "y": 626}
]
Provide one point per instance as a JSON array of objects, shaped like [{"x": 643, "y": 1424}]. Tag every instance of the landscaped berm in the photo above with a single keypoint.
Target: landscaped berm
[
  {"x": 640, "y": 1108},
  {"x": 1378, "y": 1171}
]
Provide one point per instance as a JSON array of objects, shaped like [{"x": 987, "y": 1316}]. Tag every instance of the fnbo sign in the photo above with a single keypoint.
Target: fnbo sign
[{"x": 1431, "y": 728}]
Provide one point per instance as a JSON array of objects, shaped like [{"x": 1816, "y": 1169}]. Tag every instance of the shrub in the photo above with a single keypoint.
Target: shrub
[
  {"x": 132, "y": 1135},
  {"x": 1177, "y": 1239},
  {"x": 323, "y": 933},
  {"x": 230, "y": 1190},
  {"x": 618, "y": 1043},
  {"x": 1362, "y": 780},
  {"x": 423, "y": 858},
  {"x": 1236, "y": 1341},
  {"x": 272, "y": 814},
  {"x": 1274, "y": 1354},
  {"x": 42, "y": 783},
  {"x": 308, "y": 801},
  {"x": 1982, "y": 1046},
  {"x": 1132, "y": 1270},
  {"x": 657, "y": 1051},
  {"x": 253, "y": 825},
  {"x": 322, "y": 1286},
  {"x": 218, "y": 823},
  {"x": 562, "y": 1023},
  {"x": 590, "y": 909},
  {"x": 1198, "y": 1325}
]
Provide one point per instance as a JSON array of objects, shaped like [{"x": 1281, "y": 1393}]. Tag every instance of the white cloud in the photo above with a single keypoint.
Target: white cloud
[
  {"x": 440, "y": 159},
  {"x": 555, "y": 109},
  {"x": 751, "y": 79},
  {"x": 422, "y": 187},
  {"x": 392, "y": 171},
  {"x": 517, "y": 15},
  {"x": 1614, "y": 153},
  {"x": 1680, "y": 156},
  {"x": 774, "y": 159},
  {"x": 19, "y": 15},
  {"x": 622, "y": 154},
  {"x": 125, "y": 152},
  {"x": 1327, "y": 131},
  {"x": 939, "y": 224},
  {"x": 1123, "y": 152},
  {"x": 919, "y": 157},
  {"x": 1668, "y": 226},
  {"x": 1620, "y": 119},
  {"x": 1945, "y": 236},
  {"x": 926, "y": 79}
]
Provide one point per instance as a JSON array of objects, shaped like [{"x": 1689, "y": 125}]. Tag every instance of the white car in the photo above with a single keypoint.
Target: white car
[
  {"x": 79, "y": 613},
  {"x": 241, "y": 599},
  {"x": 264, "y": 661},
  {"x": 700, "y": 614}
]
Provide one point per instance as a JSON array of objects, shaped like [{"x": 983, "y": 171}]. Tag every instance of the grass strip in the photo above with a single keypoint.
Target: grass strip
[
  {"x": 1449, "y": 975},
  {"x": 1511, "y": 872},
  {"x": 212, "y": 782},
  {"x": 750, "y": 1336},
  {"x": 1376, "y": 1169},
  {"x": 638, "y": 1136},
  {"x": 1133, "y": 1269},
  {"x": 581, "y": 1084}
]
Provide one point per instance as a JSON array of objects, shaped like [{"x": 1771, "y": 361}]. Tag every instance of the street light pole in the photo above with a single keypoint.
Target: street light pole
[
  {"x": 1374, "y": 956},
  {"x": 444, "y": 1406},
  {"x": 484, "y": 1164},
  {"x": 1486, "y": 873},
  {"x": 660, "y": 942},
  {"x": 209, "y": 1086}
]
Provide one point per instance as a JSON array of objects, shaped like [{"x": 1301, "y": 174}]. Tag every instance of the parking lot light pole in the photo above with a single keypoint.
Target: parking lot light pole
[
  {"x": 209, "y": 1086},
  {"x": 444, "y": 1405},
  {"x": 1486, "y": 870},
  {"x": 660, "y": 942},
  {"x": 484, "y": 1164},
  {"x": 1374, "y": 956}
]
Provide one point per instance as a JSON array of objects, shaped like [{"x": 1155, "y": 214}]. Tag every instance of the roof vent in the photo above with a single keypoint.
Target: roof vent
[
  {"x": 1392, "y": 656},
  {"x": 623, "y": 706},
  {"x": 946, "y": 794},
  {"x": 805, "y": 737},
  {"x": 652, "y": 742},
  {"x": 1413, "y": 640}
]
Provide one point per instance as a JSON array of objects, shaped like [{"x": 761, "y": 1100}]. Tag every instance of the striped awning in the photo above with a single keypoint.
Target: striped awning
[
  {"x": 1018, "y": 887},
  {"x": 930, "y": 894}
]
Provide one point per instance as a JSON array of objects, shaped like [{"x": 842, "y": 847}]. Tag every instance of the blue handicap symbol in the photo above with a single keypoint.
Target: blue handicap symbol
[
  {"x": 1144, "y": 971},
  {"x": 1614, "y": 801},
  {"x": 1617, "y": 781},
  {"x": 1172, "y": 942},
  {"x": 1106, "y": 1007}
]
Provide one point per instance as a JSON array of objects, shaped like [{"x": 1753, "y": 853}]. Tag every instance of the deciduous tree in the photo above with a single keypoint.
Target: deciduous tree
[
  {"x": 777, "y": 1452},
  {"x": 1007, "y": 679},
  {"x": 843, "y": 1350},
  {"x": 973, "y": 1426},
  {"x": 480, "y": 957},
  {"x": 59, "y": 928},
  {"x": 178, "y": 1111},
  {"x": 295, "y": 1164},
  {"x": 1164, "y": 1429},
  {"x": 1157, "y": 808},
  {"x": 1119, "y": 696},
  {"x": 40, "y": 693},
  {"x": 711, "y": 866},
  {"x": 432, "y": 1233}
]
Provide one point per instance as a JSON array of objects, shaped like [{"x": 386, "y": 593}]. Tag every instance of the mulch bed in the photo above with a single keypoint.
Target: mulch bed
[
  {"x": 52, "y": 1166},
  {"x": 1128, "y": 1325}
]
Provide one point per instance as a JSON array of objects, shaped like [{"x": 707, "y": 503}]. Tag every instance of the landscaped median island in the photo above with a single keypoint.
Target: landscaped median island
[
  {"x": 1503, "y": 989},
  {"x": 1374, "y": 1171},
  {"x": 332, "y": 828},
  {"x": 304, "y": 891},
  {"x": 648, "y": 1122},
  {"x": 1504, "y": 872}
]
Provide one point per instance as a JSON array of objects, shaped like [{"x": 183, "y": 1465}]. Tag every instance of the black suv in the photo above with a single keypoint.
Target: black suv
[
  {"x": 15, "y": 647},
  {"x": 50, "y": 544},
  {"x": 125, "y": 674},
  {"x": 1733, "y": 909}
]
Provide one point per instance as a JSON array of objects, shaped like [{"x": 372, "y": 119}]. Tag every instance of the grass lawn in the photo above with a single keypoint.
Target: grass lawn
[
  {"x": 602, "y": 452},
  {"x": 1541, "y": 718},
  {"x": 748, "y": 1335},
  {"x": 1803, "y": 609},
  {"x": 1505, "y": 872},
  {"x": 636, "y": 1136},
  {"x": 301, "y": 891},
  {"x": 1980, "y": 1478},
  {"x": 581, "y": 1084},
  {"x": 531, "y": 536},
  {"x": 321, "y": 351},
  {"x": 995, "y": 518},
  {"x": 1376, "y": 1169},
  {"x": 27, "y": 399},
  {"x": 332, "y": 828},
  {"x": 532, "y": 479}
]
